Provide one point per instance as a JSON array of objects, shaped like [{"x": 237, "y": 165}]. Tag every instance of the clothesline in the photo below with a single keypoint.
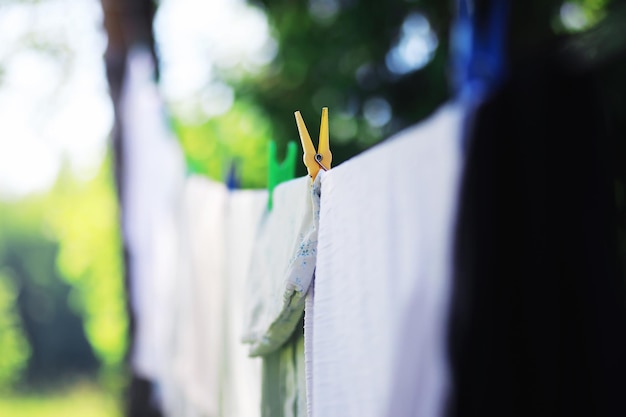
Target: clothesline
[
  {"x": 424, "y": 289},
  {"x": 275, "y": 255}
]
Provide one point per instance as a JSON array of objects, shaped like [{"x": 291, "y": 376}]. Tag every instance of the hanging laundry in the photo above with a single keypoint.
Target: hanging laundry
[
  {"x": 153, "y": 182},
  {"x": 241, "y": 382},
  {"x": 383, "y": 276},
  {"x": 282, "y": 266},
  {"x": 200, "y": 315},
  {"x": 309, "y": 335},
  {"x": 281, "y": 271},
  {"x": 284, "y": 384}
]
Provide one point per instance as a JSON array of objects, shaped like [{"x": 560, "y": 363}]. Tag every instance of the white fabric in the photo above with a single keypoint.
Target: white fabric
[
  {"x": 199, "y": 354},
  {"x": 382, "y": 279},
  {"x": 153, "y": 180},
  {"x": 242, "y": 374},
  {"x": 309, "y": 315},
  {"x": 282, "y": 266}
]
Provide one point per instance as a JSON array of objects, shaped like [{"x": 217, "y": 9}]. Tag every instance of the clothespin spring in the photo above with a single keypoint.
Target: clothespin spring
[{"x": 318, "y": 159}]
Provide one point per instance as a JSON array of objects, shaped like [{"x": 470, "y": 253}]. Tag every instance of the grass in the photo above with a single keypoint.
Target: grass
[{"x": 82, "y": 400}]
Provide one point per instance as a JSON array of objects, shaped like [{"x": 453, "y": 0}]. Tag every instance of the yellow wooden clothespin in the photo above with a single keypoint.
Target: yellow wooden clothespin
[{"x": 322, "y": 158}]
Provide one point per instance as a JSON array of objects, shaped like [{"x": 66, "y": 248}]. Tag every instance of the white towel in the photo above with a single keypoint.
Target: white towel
[
  {"x": 200, "y": 316},
  {"x": 282, "y": 266},
  {"x": 241, "y": 375},
  {"x": 153, "y": 182},
  {"x": 382, "y": 279},
  {"x": 309, "y": 320}
]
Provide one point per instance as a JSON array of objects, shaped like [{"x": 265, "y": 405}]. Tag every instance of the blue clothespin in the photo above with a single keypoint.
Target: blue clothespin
[
  {"x": 279, "y": 172},
  {"x": 232, "y": 179}
]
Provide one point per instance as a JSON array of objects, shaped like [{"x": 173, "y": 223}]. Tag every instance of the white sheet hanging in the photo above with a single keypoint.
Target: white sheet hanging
[
  {"x": 382, "y": 277},
  {"x": 153, "y": 182},
  {"x": 242, "y": 374},
  {"x": 200, "y": 314}
]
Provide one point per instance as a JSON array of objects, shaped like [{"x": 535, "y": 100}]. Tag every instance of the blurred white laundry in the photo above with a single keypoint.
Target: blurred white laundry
[{"x": 154, "y": 172}]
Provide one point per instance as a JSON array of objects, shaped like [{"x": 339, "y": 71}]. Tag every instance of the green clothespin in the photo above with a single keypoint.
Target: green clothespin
[{"x": 282, "y": 172}]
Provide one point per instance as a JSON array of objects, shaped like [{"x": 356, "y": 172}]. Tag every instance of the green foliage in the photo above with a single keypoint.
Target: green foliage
[
  {"x": 13, "y": 344},
  {"x": 337, "y": 58},
  {"x": 84, "y": 219},
  {"x": 79, "y": 401},
  {"x": 19, "y": 230},
  {"x": 595, "y": 10},
  {"x": 335, "y": 53},
  {"x": 34, "y": 305},
  {"x": 76, "y": 223},
  {"x": 240, "y": 136},
  {"x": 583, "y": 15}
]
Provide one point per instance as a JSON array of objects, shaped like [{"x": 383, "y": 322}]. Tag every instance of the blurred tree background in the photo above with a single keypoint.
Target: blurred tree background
[
  {"x": 379, "y": 67},
  {"x": 63, "y": 320}
]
